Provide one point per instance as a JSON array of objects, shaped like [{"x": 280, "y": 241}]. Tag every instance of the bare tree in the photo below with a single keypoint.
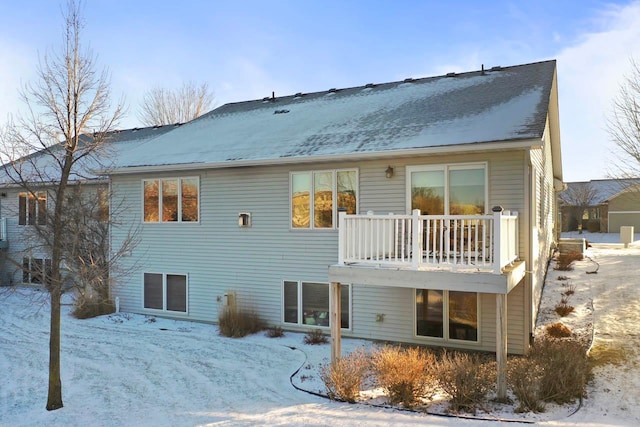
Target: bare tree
[
  {"x": 624, "y": 125},
  {"x": 577, "y": 198},
  {"x": 47, "y": 152},
  {"x": 161, "y": 106}
]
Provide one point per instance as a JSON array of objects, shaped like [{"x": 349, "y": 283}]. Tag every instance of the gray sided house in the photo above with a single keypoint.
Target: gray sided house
[
  {"x": 22, "y": 252},
  {"x": 427, "y": 206},
  {"x": 602, "y": 205}
]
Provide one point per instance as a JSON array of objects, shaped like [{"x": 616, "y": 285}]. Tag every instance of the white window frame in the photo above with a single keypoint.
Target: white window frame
[
  {"x": 164, "y": 293},
  {"x": 300, "y": 319},
  {"x": 445, "y": 168},
  {"x": 334, "y": 217},
  {"x": 31, "y": 267},
  {"x": 445, "y": 319},
  {"x": 179, "y": 179}
]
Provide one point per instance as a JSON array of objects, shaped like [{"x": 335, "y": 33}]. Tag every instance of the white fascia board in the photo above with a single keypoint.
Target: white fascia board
[{"x": 449, "y": 149}]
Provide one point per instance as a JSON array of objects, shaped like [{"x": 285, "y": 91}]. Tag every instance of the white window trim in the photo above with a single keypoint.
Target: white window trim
[
  {"x": 164, "y": 293},
  {"x": 300, "y": 319},
  {"x": 445, "y": 168},
  {"x": 334, "y": 216},
  {"x": 179, "y": 179},
  {"x": 445, "y": 314}
]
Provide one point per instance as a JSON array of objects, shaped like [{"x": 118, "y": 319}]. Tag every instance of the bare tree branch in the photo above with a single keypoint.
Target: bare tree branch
[{"x": 161, "y": 106}]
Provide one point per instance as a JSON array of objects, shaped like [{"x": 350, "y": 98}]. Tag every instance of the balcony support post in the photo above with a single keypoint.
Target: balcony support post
[
  {"x": 335, "y": 320},
  {"x": 501, "y": 345}
]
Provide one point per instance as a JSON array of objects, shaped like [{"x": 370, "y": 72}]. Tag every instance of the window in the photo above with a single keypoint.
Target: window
[
  {"x": 171, "y": 200},
  {"x": 307, "y": 303},
  {"x": 166, "y": 292},
  {"x": 103, "y": 205},
  {"x": 451, "y": 315},
  {"x": 32, "y": 208},
  {"x": 317, "y": 197},
  {"x": 36, "y": 270},
  {"x": 448, "y": 189}
]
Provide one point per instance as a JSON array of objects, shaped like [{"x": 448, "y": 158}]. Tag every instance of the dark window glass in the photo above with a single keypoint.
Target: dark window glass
[
  {"x": 176, "y": 292},
  {"x": 153, "y": 291}
]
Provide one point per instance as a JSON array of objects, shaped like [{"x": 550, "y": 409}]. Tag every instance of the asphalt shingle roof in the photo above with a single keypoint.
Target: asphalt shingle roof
[{"x": 502, "y": 104}]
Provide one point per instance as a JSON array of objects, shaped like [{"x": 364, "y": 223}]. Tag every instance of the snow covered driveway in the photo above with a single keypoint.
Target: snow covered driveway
[{"x": 614, "y": 395}]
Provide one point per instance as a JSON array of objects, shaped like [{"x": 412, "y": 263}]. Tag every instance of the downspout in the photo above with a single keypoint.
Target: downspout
[{"x": 528, "y": 249}]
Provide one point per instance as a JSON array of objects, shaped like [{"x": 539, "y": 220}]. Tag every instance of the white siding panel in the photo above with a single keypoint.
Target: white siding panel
[{"x": 220, "y": 256}]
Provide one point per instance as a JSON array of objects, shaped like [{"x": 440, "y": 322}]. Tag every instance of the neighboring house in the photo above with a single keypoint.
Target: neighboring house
[
  {"x": 265, "y": 203},
  {"x": 612, "y": 203},
  {"x": 22, "y": 252}
]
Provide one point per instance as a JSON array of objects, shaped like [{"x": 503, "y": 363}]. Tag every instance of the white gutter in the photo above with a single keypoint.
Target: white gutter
[{"x": 462, "y": 148}]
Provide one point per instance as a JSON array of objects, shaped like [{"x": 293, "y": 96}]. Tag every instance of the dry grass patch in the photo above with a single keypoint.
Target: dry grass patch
[
  {"x": 238, "y": 322},
  {"x": 602, "y": 354},
  {"x": 564, "y": 261},
  {"x": 315, "y": 336}
]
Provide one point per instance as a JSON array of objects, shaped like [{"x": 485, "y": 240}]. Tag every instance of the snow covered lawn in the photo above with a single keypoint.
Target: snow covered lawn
[{"x": 137, "y": 370}]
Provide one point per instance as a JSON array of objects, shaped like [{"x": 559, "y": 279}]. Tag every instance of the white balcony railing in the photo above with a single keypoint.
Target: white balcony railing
[{"x": 485, "y": 242}]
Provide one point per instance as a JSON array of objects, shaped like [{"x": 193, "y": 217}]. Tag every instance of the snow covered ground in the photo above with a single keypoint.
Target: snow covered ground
[{"x": 144, "y": 371}]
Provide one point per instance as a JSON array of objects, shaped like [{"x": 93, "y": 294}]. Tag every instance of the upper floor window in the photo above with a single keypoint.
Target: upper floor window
[
  {"x": 171, "y": 199},
  {"x": 32, "y": 208},
  {"x": 448, "y": 189},
  {"x": 317, "y": 196}
]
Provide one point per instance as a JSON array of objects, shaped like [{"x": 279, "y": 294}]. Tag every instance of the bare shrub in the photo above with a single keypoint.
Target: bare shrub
[
  {"x": 466, "y": 378},
  {"x": 315, "y": 336},
  {"x": 525, "y": 379},
  {"x": 274, "y": 332},
  {"x": 86, "y": 307},
  {"x": 564, "y": 261},
  {"x": 405, "y": 374},
  {"x": 565, "y": 366},
  {"x": 569, "y": 291},
  {"x": 238, "y": 322},
  {"x": 563, "y": 309},
  {"x": 344, "y": 378},
  {"x": 558, "y": 330}
]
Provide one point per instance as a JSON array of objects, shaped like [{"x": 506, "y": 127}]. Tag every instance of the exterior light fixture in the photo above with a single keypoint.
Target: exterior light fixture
[{"x": 389, "y": 172}]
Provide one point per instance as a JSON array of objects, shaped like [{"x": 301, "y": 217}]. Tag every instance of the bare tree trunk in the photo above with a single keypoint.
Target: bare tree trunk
[{"x": 54, "y": 398}]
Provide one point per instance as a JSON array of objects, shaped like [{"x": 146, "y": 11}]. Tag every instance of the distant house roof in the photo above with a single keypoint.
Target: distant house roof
[
  {"x": 605, "y": 189},
  {"x": 43, "y": 164},
  {"x": 501, "y": 104}
]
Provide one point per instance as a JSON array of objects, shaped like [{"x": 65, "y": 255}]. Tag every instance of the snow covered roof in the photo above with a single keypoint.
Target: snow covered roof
[
  {"x": 42, "y": 166},
  {"x": 606, "y": 189},
  {"x": 495, "y": 105}
]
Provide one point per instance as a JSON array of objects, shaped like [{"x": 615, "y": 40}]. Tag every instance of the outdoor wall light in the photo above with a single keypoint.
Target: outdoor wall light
[{"x": 389, "y": 172}]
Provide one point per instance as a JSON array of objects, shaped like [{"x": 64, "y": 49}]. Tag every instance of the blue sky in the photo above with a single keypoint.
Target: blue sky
[{"x": 247, "y": 49}]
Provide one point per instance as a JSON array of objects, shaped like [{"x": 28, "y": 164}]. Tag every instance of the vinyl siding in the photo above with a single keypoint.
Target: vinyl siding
[{"x": 218, "y": 256}]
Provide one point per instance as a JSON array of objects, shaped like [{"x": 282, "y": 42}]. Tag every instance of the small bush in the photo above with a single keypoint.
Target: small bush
[
  {"x": 86, "y": 307},
  {"x": 569, "y": 291},
  {"x": 564, "y": 261},
  {"x": 563, "y": 309},
  {"x": 405, "y": 374},
  {"x": 558, "y": 330},
  {"x": 274, "y": 332},
  {"x": 466, "y": 378},
  {"x": 237, "y": 322},
  {"x": 525, "y": 379},
  {"x": 315, "y": 336},
  {"x": 344, "y": 378},
  {"x": 565, "y": 366}
]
